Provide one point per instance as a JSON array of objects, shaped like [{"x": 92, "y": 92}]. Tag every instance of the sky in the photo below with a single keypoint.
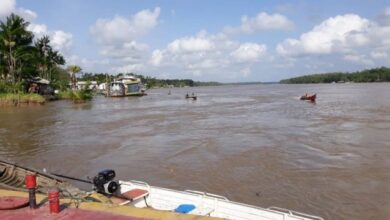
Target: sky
[{"x": 203, "y": 40}]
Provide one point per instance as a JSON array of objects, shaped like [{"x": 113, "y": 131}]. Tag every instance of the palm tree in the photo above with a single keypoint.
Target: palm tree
[
  {"x": 15, "y": 44},
  {"x": 47, "y": 58},
  {"x": 73, "y": 69}
]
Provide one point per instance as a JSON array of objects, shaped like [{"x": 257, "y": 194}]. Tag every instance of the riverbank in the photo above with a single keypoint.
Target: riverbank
[
  {"x": 10, "y": 99},
  {"x": 366, "y": 76}
]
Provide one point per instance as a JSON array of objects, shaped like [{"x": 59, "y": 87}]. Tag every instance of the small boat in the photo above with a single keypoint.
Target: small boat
[
  {"x": 311, "y": 98},
  {"x": 191, "y": 97},
  {"x": 13, "y": 176}
]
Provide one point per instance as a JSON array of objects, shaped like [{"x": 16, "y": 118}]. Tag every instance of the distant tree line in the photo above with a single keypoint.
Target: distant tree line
[
  {"x": 150, "y": 82},
  {"x": 381, "y": 74}
]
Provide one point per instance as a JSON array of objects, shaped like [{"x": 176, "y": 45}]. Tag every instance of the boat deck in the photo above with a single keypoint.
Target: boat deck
[{"x": 88, "y": 210}]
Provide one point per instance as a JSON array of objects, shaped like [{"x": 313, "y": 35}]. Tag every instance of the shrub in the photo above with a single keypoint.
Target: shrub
[{"x": 76, "y": 96}]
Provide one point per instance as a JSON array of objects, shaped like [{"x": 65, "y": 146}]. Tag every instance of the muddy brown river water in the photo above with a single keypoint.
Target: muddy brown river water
[{"x": 256, "y": 144}]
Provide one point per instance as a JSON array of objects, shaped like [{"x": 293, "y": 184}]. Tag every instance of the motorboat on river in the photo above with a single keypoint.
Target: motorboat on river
[
  {"x": 311, "y": 98},
  {"x": 193, "y": 96}
]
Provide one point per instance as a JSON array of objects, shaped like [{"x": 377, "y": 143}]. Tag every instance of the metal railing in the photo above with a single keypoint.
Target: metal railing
[{"x": 294, "y": 213}]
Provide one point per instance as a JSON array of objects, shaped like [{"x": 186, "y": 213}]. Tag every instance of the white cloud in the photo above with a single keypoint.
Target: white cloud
[
  {"x": 120, "y": 29},
  {"x": 191, "y": 44},
  {"x": 202, "y": 51},
  {"x": 207, "y": 56},
  {"x": 157, "y": 57},
  {"x": 127, "y": 51},
  {"x": 262, "y": 22},
  {"x": 332, "y": 35},
  {"x": 359, "y": 59},
  {"x": 249, "y": 52},
  {"x": 6, "y": 8},
  {"x": 118, "y": 38},
  {"x": 130, "y": 68},
  {"x": 379, "y": 55},
  {"x": 38, "y": 29},
  {"x": 9, "y": 6},
  {"x": 358, "y": 41},
  {"x": 203, "y": 64},
  {"x": 61, "y": 40},
  {"x": 26, "y": 14},
  {"x": 384, "y": 17}
]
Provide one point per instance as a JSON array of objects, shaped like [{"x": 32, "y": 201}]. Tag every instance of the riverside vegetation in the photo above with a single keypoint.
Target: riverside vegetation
[
  {"x": 371, "y": 75},
  {"x": 23, "y": 60}
]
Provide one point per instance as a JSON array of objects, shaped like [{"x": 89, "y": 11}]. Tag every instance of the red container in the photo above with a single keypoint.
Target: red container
[
  {"x": 31, "y": 181},
  {"x": 54, "y": 201}
]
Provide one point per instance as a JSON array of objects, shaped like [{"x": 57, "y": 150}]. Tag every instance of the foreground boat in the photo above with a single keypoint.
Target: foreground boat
[
  {"x": 142, "y": 195},
  {"x": 311, "y": 98},
  {"x": 148, "y": 200}
]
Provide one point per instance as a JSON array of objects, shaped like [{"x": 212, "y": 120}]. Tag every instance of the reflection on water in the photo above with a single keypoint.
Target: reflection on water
[{"x": 256, "y": 144}]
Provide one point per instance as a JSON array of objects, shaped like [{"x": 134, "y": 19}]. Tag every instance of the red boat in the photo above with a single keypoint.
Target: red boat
[{"x": 311, "y": 98}]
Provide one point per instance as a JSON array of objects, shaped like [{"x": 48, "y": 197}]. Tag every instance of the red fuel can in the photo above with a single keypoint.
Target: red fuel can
[
  {"x": 54, "y": 201},
  {"x": 31, "y": 181}
]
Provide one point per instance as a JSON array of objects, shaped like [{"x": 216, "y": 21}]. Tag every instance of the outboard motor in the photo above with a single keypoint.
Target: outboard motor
[{"x": 104, "y": 182}]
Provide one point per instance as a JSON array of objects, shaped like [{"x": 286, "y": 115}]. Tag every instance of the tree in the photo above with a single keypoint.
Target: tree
[
  {"x": 47, "y": 58},
  {"x": 15, "y": 44},
  {"x": 72, "y": 70}
]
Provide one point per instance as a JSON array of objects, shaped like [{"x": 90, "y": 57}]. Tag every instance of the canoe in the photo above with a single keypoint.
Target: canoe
[
  {"x": 142, "y": 195},
  {"x": 311, "y": 98},
  {"x": 12, "y": 177}
]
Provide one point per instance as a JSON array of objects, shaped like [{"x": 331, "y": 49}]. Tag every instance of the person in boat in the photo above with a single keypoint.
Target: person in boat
[
  {"x": 304, "y": 97},
  {"x": 187, "y": 96}
]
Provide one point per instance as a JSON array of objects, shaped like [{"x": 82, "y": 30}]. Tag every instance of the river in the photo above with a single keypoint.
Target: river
[{"x": 257, "y": 144}]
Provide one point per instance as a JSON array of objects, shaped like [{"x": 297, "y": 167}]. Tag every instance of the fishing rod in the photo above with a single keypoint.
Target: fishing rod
[{"x": 72, "y": 178}]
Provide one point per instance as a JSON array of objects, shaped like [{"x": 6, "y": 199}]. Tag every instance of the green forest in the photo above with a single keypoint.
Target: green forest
[{"x": 381, "y": 74}]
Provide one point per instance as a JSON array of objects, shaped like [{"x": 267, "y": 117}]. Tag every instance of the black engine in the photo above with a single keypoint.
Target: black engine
[{"x": 104, "y": 182}]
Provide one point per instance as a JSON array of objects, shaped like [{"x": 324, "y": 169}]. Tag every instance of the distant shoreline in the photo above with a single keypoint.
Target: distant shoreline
[{"x": 381, "y": 74}]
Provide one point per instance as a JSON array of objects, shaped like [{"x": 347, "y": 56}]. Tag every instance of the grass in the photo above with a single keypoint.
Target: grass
[{"x": 21, "y": 98}]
